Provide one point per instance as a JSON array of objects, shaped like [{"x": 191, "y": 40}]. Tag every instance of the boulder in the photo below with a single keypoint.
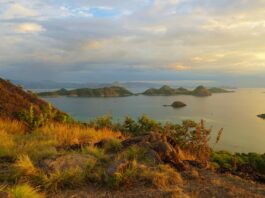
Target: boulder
[
  {"x": 152, "y": 156},
  {"x": 162, "y": 148},
  {"x": 117, "y": 167},
  {"x": 134, "y": 140},
  {"x": 66, "y": 162}
]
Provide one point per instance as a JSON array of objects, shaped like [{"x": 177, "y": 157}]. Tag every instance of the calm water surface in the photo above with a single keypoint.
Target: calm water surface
[{"x": 235, "y": 112}]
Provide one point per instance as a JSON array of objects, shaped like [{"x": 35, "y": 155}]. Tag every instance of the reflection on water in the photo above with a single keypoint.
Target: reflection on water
[{"x": 235, "y": 112}]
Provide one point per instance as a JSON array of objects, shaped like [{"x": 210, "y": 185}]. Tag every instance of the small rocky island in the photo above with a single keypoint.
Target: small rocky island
[
  {"x": 90, "y": 92},
  {"x": 200, "y": 91},
  {"x": 176, "y": 104}
]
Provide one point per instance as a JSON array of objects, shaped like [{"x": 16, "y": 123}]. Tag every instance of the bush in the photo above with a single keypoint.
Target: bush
[{"x": 113, "y": 145}]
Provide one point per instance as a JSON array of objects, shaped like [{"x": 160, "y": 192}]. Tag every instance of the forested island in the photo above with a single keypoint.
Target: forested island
[
  {"x": 90, "y": 92},
  {"x": 198, "y": 91},
  {"x": 115, "y": 91}
]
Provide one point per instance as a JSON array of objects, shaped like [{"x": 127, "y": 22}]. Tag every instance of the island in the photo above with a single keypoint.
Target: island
[
  {"x": 200, "y": 91},
  {"x": 113, "y": 91},
  {"x": 262, "y": 116},
  {"x": 176, "y": 104}
]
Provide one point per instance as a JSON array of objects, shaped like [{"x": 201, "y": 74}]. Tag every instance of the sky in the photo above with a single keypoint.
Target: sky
[{"x": 211, "y": 42}]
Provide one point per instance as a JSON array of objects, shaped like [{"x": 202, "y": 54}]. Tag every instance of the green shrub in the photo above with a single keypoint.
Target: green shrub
[
  {"x": 113, "y": 145},
  {"x": 98, "y": 153}
]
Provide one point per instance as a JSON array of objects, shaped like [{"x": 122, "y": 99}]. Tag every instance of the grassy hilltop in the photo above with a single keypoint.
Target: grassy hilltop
[{"x": 133, "y": 158}]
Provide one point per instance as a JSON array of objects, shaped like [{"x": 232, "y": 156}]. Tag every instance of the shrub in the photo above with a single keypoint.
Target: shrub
[
  {"x": 113, "y": 145},
  {"x": 133, "y": 153},
  {"x": 98, "y": 153}
]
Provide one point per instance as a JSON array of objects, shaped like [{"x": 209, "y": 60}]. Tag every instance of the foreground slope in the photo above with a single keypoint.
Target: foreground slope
[
  {"x": 65, "y": 161},
  {"x": 15, "y": 103}
]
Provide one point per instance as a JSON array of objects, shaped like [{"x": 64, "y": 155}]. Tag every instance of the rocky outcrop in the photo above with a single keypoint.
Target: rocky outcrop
[
  {"x": 162, "y": 148},
  {"x": 65, "y": 162}
]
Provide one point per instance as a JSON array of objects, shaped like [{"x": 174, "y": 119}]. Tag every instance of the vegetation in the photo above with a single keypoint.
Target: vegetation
[
  {"x": 198, "y": 91},
  {"x": 27, "y": 107},
  {"x": 261, "y": 116},
  {"x": 201, "y": 91},
  {"x": 51, "y": 157},
  {"x": 178, "y": 104},
  {"x": 89, "y": 92}
]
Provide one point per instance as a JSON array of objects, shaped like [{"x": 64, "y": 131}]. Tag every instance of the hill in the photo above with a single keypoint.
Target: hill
[
  {"x": 90, "y": 92},
  {"x": 201, "y": 91},
  {"x": 198, "y": 91},
  {"x": 17, "y": 104}
]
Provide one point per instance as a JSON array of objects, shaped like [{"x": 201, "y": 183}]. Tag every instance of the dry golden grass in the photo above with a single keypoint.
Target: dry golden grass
[
  {"x": 25, "y": 166},
  {"x": 66, "y": 135},
  {"x": 6, "y": 144},
  {"x": 163, "y": 176},
  {"x": 25, "y": 191},
  {"x": 12, "y": 127}
]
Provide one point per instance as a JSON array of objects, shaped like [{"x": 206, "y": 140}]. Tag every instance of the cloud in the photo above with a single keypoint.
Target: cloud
[
  {"x": 224, "y": 37},
  {"x": 178, "y": 67},
  {"x": 17, "y": 10},
  {"x": 29, "y": 28}
]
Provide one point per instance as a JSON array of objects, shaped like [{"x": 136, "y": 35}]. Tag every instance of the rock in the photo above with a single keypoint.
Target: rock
[
  {"x": 153, "y": 157},
  {"x": 102, "y": 143},
  {"x": 192, "y": 174},
  {"x": 163, "y": 149},
  {"x": 178, "y": 104},
  {"x": 66, "y": 162},
  {"x": 117, "y": 167},
  {"x": 134, "y": 140}
]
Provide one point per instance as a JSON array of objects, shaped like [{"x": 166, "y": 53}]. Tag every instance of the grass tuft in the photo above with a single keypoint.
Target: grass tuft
[{"x": 25, "y": 191}]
